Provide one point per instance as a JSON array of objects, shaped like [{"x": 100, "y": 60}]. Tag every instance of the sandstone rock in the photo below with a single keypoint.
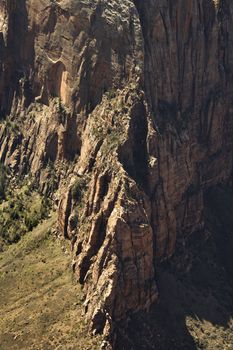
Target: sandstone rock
[{"x": 135, "y": 97}]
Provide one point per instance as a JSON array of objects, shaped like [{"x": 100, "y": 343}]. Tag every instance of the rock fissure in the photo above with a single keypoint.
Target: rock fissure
[{"x": 122, "y": 112}]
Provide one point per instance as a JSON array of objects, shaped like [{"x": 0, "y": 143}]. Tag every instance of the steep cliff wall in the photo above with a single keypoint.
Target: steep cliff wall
[
  {"x": 126, "y": 109},
  {"x": 188, "y": 70}
]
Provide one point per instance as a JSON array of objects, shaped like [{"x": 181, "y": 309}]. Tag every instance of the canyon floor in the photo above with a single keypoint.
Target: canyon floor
[{"x": 40, "y": 303}]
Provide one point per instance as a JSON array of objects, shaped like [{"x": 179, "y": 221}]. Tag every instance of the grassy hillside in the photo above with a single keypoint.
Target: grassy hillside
[
  {"x": 40, "y": 304},
  {"x": 21, "y": 209}
]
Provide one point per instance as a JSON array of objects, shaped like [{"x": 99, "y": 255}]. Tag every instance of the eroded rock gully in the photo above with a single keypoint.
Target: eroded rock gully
[{"x": 123, "y": 110}]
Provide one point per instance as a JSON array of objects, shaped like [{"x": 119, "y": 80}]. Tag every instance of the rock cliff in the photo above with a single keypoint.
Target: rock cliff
[{"x": 122, "y": 112}]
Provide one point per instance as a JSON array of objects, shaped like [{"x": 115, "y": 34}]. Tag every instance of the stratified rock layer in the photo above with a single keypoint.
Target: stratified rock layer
[{"x": 126, "y": 109}]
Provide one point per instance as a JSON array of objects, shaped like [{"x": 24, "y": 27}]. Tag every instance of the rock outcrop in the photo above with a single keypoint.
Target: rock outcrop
[{"x": 124, "y": 108}]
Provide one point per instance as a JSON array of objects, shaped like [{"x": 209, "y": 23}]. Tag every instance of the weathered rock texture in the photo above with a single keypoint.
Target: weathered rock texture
[{"x": 126, "y": 108}]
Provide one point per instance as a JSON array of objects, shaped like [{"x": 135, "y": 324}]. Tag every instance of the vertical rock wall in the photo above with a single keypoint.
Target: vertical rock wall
[{"x": 131, "y": 104}]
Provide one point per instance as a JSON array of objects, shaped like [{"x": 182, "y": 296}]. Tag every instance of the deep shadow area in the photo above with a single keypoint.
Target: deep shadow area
[
  {"x": 133, "y": 154},
  {"x": 16, "y": 57},
  {"x": 195, "y": 308}
]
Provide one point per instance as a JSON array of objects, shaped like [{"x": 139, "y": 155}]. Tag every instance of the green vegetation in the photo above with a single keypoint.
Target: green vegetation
[
  {"x": 21, "y": 211},
  {"x": 61, "y": 110},
  {"x": 78, "y": 192},
  {"x": 52, "y": 182},
  {"x": 32, "y": 218},
  {"x": 11, "y": 126},
  {"x": 111, "y": 93},
  {"x": 79, "y": 188},
  {"x": 40, "y": 302}
]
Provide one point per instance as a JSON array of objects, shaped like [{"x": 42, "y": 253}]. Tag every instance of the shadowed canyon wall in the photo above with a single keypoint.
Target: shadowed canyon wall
[{"x": 122, "y": 111}]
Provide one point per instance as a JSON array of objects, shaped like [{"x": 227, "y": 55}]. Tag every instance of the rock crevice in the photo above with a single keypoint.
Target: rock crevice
[{"x": 122, "y": 111}]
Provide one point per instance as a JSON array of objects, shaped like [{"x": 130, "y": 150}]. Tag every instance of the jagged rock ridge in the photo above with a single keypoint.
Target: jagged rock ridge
[{"x": 126, "y": 108}]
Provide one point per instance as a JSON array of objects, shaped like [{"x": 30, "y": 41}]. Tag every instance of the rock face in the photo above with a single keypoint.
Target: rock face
[
  {"x": 188, "y": 83},
  {"x": 125, "y": 108}
]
